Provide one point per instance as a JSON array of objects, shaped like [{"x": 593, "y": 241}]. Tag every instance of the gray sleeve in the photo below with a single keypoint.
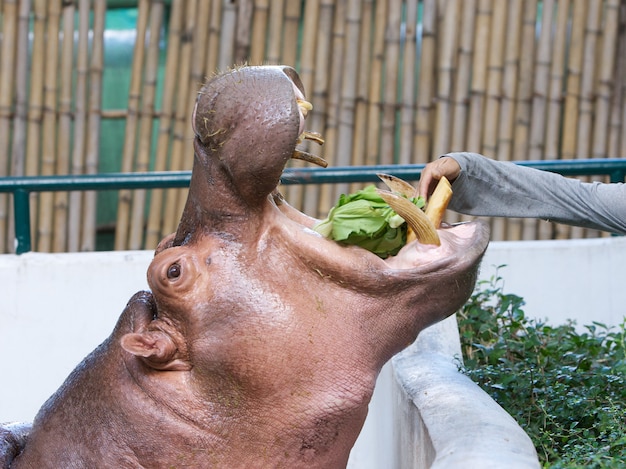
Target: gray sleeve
[{"x": 487, "y": 187}]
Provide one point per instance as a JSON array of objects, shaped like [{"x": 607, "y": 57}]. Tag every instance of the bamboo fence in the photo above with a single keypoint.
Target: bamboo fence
[{"x": 391, "y": 81}]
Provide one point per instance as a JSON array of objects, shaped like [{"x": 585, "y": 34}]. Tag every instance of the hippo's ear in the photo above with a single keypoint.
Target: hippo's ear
[{"x": 157, "y": 349}]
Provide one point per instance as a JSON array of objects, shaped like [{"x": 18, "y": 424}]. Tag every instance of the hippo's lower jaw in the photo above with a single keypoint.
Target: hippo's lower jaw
[{"x": 460, "y": 242}]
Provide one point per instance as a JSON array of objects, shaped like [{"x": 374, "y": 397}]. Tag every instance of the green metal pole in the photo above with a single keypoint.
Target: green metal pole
[{"x": 21, "y": 207}]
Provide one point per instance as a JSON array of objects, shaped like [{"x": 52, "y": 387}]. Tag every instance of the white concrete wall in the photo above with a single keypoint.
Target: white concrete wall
[
  {"x": 56, "y": 308},
  {"x": 582, "y": 279}
]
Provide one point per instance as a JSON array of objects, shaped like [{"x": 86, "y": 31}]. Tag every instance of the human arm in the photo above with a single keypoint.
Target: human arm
[{"x": 486, "y": 187}]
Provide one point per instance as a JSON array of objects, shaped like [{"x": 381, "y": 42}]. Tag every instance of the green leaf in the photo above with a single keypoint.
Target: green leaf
[{"x": 364, "y": 219}]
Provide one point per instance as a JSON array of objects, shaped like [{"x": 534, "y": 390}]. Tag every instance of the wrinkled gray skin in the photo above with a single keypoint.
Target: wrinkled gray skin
[{"x": 260, "y": 342}]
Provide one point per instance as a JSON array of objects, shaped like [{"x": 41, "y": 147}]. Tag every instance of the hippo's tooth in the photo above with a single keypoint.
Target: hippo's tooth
[
  {"x": 309, "y": 135},
  {"x": 438, "y": 201},
  {"x": 315, "y": 136},
  {"x": 401, "y": 187},
  {"x": 398, "y": 185},
  {"x": 310, "y": 158},
  {"x": 421, "y": 225},
  {"x": 304, "y": 106}
]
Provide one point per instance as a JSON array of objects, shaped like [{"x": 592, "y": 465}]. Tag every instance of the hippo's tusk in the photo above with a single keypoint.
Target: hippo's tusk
[
  {"x": 421, "y": 225},
  {"x": 438, "y": 202},
  {"x": 304, "y": 106},
  {"x": 315, "y": 136},
  {"x": 309, "y": 135},
  {"x": 310, "y": 158},
  {"x": 398, "y": 185}
]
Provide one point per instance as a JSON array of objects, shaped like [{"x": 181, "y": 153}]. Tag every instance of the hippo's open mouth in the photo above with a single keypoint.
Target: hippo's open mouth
[{"x": 429, "y": 241}]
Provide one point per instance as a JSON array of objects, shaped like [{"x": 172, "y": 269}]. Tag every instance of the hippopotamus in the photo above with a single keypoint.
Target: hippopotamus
[{"x": 259, "y": 341}]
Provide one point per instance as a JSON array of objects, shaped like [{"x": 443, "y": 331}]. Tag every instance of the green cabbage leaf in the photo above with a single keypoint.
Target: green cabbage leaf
[{"x": 364, "y": 219}]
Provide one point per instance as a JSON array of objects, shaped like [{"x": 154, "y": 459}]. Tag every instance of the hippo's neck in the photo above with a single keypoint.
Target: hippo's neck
[{"x": 215, "y": 203}]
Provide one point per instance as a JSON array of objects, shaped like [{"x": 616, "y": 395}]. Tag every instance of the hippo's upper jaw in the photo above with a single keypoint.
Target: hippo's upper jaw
[{"x": 248, "y": 122}]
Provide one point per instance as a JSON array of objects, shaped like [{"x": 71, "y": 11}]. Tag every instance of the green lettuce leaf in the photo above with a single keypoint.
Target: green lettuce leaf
[{"x": 364, "y": 219}]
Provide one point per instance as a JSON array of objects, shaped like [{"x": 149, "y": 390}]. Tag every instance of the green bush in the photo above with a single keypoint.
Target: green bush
[{"x": 565, "y": 388}]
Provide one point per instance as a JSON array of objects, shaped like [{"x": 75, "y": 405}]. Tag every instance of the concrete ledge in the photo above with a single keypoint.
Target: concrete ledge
[{"x": 457, "y": 424}]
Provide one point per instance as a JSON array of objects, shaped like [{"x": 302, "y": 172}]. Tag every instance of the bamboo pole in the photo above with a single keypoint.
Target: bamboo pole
[
  {"x": 36, "y": 103},
  {"x": 407, "y": 113},
  {"x": 289, "y": 46},
  {"x": 359, "y": 151},
  {"x": 213, "y": 45},
  {"x": 540, "y": 88},
  {"x": 199, "y": 66},
  {"x": 617, "y": 102},
  {"x": 88, "y": 242},
  {"x": 7, "y": 64},
  {"x": 426, "y": 85},
  {"x": 181, "y": 118},
  {"x": 519, "y": 88},
  {"x": 605, "y": 80},
  {"x": 80, "y": 123},
  {"x": 622, "y": 85},
  {"x": 374, "y": 110},
  {"x": 274, "y": 32},
  {"x": 479, "y": 75},
  {"x": 243, "y": 34},
  {"x": 295, "y": 192},
  {"x": 622, "y": 82},
  {"x": 59, "y": 239},
  {"x": 463, "y": 77},
  {"x": 494, "y": 78},
  {"x": 313, "y": 200},
  {"x": 359, "y": 154},
  {"x": 308, "y": 49},
  {"x": 227, "y": 37},
  {"x": 132, "y": 122},
  {"x": 49, "y": 127},
  {"x": 328, "y": 197},
  {"x": 390, "y": 83},
  {"x": 574, "y": 71},
  {"x": 20, "y": 122},
  {"x": 146, "y": 123},
  {"x": 348, "y": 79},
  {"x": 585, "y": 118},
  {"x": 154, "y": 231},
  {"x": 259, "y": 31},
  {"x": 445, "y": 78},
  {"x": 312, "y": 194},
  {"x": 555, "y": 94}
]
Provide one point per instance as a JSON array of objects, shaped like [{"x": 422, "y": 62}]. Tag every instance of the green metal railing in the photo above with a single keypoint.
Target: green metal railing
[{"x": 22, "y": 187}]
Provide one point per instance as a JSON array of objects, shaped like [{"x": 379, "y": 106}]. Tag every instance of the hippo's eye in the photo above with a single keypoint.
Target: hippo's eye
[{"x": 173, "y": 272}]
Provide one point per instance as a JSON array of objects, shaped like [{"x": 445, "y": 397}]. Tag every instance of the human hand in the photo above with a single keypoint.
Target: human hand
[{"x": 433, "y": 172}]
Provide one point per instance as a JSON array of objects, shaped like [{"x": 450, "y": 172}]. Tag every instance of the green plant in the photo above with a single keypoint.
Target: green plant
[{"x": 566, "y": 388}]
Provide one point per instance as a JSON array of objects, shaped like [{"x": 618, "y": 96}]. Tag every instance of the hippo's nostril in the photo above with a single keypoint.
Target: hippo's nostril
[{"x": 173, "y": 272}]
